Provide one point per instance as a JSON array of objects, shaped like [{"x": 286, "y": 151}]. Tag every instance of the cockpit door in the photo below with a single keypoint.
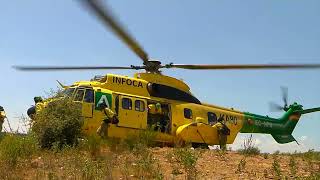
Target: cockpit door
[
  {"x": 88, "y": 103},
  {"x": 85, "y": 97}
]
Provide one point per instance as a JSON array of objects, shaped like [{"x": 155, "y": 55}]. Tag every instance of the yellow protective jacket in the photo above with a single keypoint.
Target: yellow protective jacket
[
  {"x": 109, "y": 113},
  {"x": 2, "y": 115},
  {"x": 219, "y": 125}
]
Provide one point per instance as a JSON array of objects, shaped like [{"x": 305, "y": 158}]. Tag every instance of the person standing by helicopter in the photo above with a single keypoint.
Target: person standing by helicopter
[
  {"x": 223, "y": 132},
  {"x": 2, "y": 117},
  {"x": 111, "y": 117},
  {"x": 156, "y": 118}
]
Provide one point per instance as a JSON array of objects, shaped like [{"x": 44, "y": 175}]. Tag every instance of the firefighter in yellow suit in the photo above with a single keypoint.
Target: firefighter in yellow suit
[
  {"x": 155, "y": 117},
  {"x": 110, "y": 117},
  {"x": 2, "y": 117},
  {"x": 223, "y": 132}
]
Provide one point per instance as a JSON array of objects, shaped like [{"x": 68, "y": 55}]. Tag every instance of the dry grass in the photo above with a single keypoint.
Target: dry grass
[
  {"x": 136, "y": 158},
  {"x": 249, "y": 148},
  {"x": 100, "y": 161}
]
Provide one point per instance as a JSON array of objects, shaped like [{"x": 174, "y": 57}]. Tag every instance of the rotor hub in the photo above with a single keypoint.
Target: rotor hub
[{"x": 152, "y": 66}]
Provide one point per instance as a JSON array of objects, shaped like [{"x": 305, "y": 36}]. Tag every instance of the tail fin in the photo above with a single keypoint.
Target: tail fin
[{"x": 286, "y": 138}]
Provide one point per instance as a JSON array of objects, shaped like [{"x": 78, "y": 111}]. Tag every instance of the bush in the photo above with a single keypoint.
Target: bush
[
  {"x": 276, "y": 167},
  {"x": 145, "y": 138},
  {"x": 2, "y": 135},
  {"x": 92, "y": 144},
  {"x": 59, "y": 123},
  {"x": 147, "y": 167},
  {"x": 311, "y": 154},
  {"x": 293, "y": 166},
  {"x": 241, "y": 165},
  {"x": 14, "y": 147},
  {"x": 249, "y": 147},
  {"x": 187, "y": 158}
]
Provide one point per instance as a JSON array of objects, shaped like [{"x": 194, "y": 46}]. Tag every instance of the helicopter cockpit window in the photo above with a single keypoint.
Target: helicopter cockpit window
[
  {"x": 126, "y": 103},
  {"x": 187, "y": 113},
  {"x": 89, "y": 96},
  {"x": 68, "y": 92},
  {"x": 212, "y": 118},
  {"x": 79, "y": 95},
  {"x": 139, "y": 105}
]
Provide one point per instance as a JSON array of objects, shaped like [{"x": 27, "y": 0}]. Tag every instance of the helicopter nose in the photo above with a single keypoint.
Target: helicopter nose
[{"x": 31, "y": 111}]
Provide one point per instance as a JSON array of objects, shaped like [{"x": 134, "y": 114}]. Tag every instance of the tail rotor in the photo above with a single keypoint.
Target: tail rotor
[{"x": 274, "y": 107}]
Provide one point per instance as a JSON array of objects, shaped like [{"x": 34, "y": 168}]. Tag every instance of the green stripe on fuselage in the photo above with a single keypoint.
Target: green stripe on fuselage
[{"x": 254, "y": 123}]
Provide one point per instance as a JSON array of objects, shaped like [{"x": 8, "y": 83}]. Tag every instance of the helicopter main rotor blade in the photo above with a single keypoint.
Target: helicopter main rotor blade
[
  {"x": 63, "y": 68},
  {"x": 243, "y": 66},
  {"x": 110, "y": 21}
]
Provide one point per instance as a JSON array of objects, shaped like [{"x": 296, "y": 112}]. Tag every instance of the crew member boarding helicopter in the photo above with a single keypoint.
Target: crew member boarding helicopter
[{"x": 150, "y": 97}]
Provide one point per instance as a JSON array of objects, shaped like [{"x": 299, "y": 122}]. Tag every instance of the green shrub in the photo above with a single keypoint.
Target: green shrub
[
  {"x": 92, "y": 169},
  {"x": 277, "y": 152},
  {"x": 276, "y": 167},
  {"x": 147, "y": 166},
  {"x": 187, "y": 158},
  {"x": 311, "y": 155},
  {"x": 293, "y": 166},
  {"x": 241, "y": 165},
  {"x": 265, "y": 155},
  {"x": 2, "y": 135},
  {"x": 58, "y": 123},
  {"x": 14, "y": 147},
  {"x": 314, "y": 176}
]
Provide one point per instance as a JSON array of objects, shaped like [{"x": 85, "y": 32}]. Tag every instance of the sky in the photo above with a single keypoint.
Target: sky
[{"x": 43, "y": 32}]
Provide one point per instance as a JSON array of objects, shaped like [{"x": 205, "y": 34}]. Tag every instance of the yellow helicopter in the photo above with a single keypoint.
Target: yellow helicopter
[{"x": 151, "y": 99}]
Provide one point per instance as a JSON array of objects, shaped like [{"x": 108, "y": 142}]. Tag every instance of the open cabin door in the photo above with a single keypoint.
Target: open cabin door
[{"x": 132, "y": 112}]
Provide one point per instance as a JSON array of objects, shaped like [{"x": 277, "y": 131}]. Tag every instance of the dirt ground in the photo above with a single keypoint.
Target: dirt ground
[
  {"x": 160, "y": 164},
  {"x": 216, "y": 165}
]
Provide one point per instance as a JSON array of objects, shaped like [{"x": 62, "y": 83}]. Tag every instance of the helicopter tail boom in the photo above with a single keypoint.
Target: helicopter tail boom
[{"x": 281, "y": 129}]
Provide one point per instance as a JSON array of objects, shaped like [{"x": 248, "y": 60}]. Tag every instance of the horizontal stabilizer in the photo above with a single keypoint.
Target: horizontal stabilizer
[
  {"x": 306, "y": 111},
  {"x": 283, "y": 138}
]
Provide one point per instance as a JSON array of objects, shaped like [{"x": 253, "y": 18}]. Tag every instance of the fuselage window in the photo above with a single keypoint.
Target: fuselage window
[
  {"x": 212, "y": 118},
  {"x": 126, "y": 103},
  {"x": 89, "y": 96},
  {"x": 79, "y": 95},
  {"x": 139, "y": 105},
  {"x": 187, "y": 113}
]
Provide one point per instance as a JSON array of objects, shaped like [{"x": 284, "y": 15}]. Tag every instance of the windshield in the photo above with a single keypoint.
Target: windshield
[{"x": 68, "y": 92}]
